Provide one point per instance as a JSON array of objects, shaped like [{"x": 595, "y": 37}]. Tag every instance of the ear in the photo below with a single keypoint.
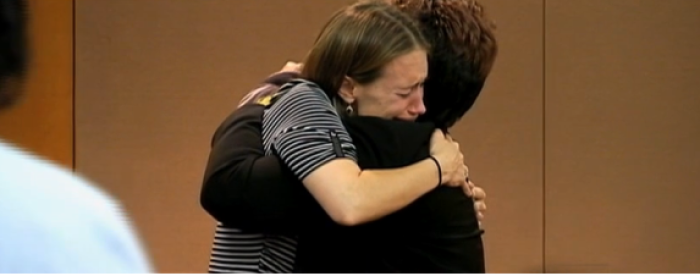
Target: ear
[{"x": 347, "y": 90}]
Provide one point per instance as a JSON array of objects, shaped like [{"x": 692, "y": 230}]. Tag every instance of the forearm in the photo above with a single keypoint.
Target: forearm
[
  {"x": 353, "y": 197},
  {"x": 239, "y": 177},
  {"x": 382, "y": 192},
  {"x": 312, "y": 141}
]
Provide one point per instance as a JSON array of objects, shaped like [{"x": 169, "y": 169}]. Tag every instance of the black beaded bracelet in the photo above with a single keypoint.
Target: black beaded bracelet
[{"x": 439, "y": 170}]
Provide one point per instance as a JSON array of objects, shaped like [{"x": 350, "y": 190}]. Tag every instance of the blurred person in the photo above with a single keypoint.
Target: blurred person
[{"x": 50, "y": 220}]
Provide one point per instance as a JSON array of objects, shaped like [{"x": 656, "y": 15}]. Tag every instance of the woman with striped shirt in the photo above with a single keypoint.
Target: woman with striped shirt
[{"x": 370, "y": 59}]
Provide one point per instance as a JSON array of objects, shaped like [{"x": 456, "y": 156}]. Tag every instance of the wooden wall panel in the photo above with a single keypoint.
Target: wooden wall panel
[
  {"x": 619, "y": 115},
  {"x": 622, "y": 131},
  {"x": 502, "y": 140},
  {"x": 154, "y": 79},
  {"x": 42, "y": 121}
]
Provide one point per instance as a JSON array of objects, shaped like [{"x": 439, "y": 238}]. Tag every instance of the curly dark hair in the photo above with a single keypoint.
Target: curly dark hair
[
  {"x": 463, "y": 51},
  {"x": 13, "y": 46}
]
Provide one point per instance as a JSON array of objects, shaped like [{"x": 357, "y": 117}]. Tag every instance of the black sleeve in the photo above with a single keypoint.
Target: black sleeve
[{"x": 242, "y": 187}]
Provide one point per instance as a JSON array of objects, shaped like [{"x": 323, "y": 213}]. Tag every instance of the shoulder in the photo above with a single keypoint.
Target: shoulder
[
  {"x": 411, "y": 134},
  {"x": 246, "y": 113},
  {"x": 400, "y": 142},
  {"x": 300, "y": 91},
  {"x": 245, "y": 116},
  {"x": 300, "y": 104}
]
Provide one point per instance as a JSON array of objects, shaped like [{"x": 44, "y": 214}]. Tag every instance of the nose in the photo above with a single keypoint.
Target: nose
[{"x": 417, "y": 106}]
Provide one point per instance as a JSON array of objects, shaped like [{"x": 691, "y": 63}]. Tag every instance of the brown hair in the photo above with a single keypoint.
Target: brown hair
[
  {"x": 358, "y": 42},
  {"x": 463, "y": 51},
  {"x": 13, "y": 49}
]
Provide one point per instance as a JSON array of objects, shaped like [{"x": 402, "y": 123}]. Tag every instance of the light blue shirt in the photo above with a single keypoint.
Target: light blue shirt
[{"x": 54, "y": 222}]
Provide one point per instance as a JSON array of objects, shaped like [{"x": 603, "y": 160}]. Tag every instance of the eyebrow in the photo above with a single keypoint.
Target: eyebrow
[{"x": 413, "y": 85}]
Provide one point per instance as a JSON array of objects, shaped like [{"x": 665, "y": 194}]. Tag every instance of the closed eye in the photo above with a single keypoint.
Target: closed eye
[
  {"x": 410, "y": 90},
  {"x": 404, "y": 95}
]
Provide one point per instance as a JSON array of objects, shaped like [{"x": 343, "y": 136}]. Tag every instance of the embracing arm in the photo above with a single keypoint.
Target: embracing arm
[
  {"x": 351, "y": 196},
  {"x": 244, "y": 188},
  {"x": 313, "y": 143}
]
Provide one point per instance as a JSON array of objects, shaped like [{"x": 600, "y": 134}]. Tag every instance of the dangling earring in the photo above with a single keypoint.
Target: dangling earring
[{"x": 349, "y": 110}]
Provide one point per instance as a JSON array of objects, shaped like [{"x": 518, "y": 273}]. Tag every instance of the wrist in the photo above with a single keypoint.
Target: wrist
[{"x": 439, "y": 169}]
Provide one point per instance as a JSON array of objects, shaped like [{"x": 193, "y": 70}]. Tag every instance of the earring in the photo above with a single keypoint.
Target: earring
[{"x": 349, "y": 110}]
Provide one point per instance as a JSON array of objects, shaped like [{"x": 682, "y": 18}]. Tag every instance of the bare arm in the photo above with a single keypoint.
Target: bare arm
[
  {"x": 242, "y": 186},
  {"x": 311, "y": 140},
  {"x": 351, "y": 196}
]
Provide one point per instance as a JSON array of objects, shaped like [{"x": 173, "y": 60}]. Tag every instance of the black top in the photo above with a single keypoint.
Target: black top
[
  {"x": 437, "y": 233},
  {"x": 244, "y": 188}
]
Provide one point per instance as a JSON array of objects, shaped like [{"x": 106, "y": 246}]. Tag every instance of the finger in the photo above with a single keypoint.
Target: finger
[
  {"x": 438, "y": 134},
  {"x": 470, "y": 183},
  {"x": 479, "y": 193},
  {"x": 458, "y": 183},
  {"x": 471, "y": 186},
  {"x": 468, "y": 190},
  {"x": 480, "y": 206},
  {"x": 290, "y": 66}
]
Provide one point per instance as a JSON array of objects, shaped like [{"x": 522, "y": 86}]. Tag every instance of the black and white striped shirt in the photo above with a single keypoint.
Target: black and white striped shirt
[{"x": 304, "y": 130}]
